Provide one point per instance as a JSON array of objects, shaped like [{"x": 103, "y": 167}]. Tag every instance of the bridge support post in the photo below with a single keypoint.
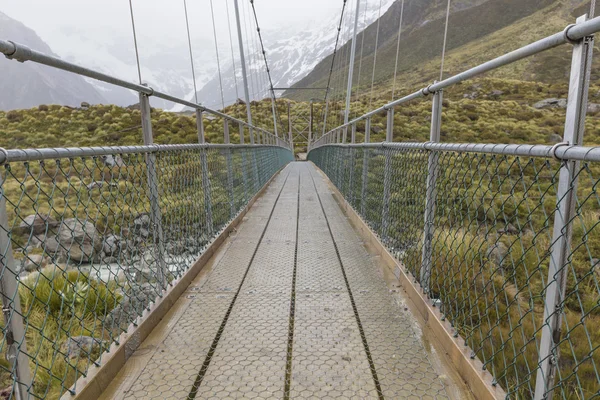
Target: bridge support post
[
  {"x": 431, "y": 192},
  {"x": 14, "y": 329},
  {"x": 227, "y": 140},
  {"x": 387, "y": 176},
  {"x": 365, "y": 168},
  {"x": 155, "y": 212},
  {"x": 565, "y": 213},
  {"x": 205, "y": 176}
]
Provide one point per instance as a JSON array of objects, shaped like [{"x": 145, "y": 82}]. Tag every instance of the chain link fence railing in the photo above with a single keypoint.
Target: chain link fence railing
[
  {"x": 91, "y": 237},
  {"x": 484, "y": 256}
]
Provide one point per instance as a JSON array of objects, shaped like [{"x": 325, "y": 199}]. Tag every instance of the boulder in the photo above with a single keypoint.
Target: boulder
[
  {"x": 142, "y": 221},
  {"x": 113, "y": 161},
  {"x": 38, "y": 224},
  {"x": 80, "y": 346},
  {"x": 80, "y": 253},
  {"x": 551, "y": 103},
  {"x": 593, "y": 108},
  {"x": 111, "y": 245},
  {"x": 496, "y": 93},
  {"x": 73, "y": 230},
  {"x": 497, "y": 253},
  {"x": 85, "y": 104},
  {"x": 135, "y": 300},
  {"x": 33, "y": 262},
  {"x": 509, "y": 230},
  {"x": 554, "y": 138}
]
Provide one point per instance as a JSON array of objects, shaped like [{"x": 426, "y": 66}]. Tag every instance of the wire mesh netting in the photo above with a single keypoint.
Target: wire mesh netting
[
  {"x": 88, "y": 243},
  {"x": 489, "y": 250}
]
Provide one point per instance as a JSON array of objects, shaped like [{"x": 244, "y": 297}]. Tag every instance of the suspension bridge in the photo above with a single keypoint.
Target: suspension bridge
[{"x": 383, "y": 270}]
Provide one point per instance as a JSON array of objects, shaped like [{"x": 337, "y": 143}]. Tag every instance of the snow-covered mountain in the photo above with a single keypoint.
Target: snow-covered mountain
[
  {"x": 290, "y": 58},
  {"x": 27, "y": 85},
  {"x": 107, "y": 46}
]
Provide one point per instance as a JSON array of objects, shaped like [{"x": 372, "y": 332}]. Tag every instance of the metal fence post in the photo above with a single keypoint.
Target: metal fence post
[
  {"x": 566, "y": 196},
  {"x": 365, "y": 168},
  {"x": 205, "y": 176},
  {"x": 14, "y": 330},
  {"x": 227, "y": 140},
  {"x": 387, "y": 176},
  {"x": 155, "y": 212},
  {"x": 431, "y": 192}
]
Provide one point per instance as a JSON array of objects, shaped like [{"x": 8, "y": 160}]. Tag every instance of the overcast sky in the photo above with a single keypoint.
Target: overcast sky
[{"x": 159, "y": 19}]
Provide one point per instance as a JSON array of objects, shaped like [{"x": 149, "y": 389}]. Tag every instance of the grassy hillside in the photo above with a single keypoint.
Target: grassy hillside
[{"x": 475, "y": 35}]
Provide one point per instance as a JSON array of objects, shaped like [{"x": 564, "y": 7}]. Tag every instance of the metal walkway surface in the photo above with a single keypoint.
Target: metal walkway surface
[{"x": 293, "y": 307}]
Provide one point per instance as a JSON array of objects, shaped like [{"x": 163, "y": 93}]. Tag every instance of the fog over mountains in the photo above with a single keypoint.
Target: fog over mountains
[{"x": 293, "y": 49}]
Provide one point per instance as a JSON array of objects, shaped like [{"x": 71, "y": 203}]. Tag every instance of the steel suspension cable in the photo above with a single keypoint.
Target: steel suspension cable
[
  {"x": 375, "y": 56},
  {"x": 398, "y": 49},
  {"x": 264, "y": 53},
  {"x": 237, "y": 94},
  {"x": 135, "y": 43},
  {"x": 187, "y": 25},
  {"x": 251, "y": 52},
  {"x": 445, "y": 40},
  {"x": 212, "y": 13},
  {"x": 362, "y": 45},
  {"x": 592, "y": 9},
  {"x": 337, "y": 39}
]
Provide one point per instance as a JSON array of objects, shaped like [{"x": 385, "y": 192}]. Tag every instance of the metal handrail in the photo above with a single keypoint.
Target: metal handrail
[{"x": 572, "y": 33}]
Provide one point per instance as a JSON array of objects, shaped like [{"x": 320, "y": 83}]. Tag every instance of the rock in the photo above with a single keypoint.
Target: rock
[
  {"x": 33, "y": 262},
  {"x": 497, "y": 253},
  {"x": 112, "y": 245},
  {"x": 551, "y": 103},
  {"x": 472, "y": 95},
  {"x": 496, "y": 93},
  {"x": 593, "y": 108},
  {"x": 509, "y": 230},
  {"x": 94, "y": 185},
  {"x": 142, "y": 221},
  {"x": 51, "y": 245},
  {"x": 554, "y": 138},
  {"x": 85, "y": 104},
  {"x": 80, "y": 253},
  {"x": 73, "y": 230},
  {"x": 80, "y": 346},
  {"x": 113, "y": 161},
  {"x": 78, "y": 241},
  {"x": 135, "y": 300},
  {"x": 37, "y": 224}
]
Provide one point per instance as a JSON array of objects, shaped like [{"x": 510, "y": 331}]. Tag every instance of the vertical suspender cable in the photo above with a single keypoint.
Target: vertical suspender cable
[
  {"x": 375, "y": 56},
  {"x": 362, "y": 46},
  {"x": 592, "y": 9},
  {"x": 398, "y": 49},
  {"x": 270, "y": 83},
  {"x": 212, "y": 13},
  {"x": 445, "y": 40},
  {"x": 243, "y": 64},
  {"x": 187, "y": 25},
  {"x": 250, "y": 55},
  {"x": 237, "y": 94},
  {"x": 137, "y": 54},
  {"x": 326, "y": 99}
]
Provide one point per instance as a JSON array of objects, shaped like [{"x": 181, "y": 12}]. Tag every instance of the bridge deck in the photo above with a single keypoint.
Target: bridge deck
[{"x": 294, "y": 307}]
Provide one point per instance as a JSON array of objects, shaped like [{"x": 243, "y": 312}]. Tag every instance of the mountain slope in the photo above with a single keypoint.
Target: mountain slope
[
  {"x": 28, "y": 85},
  {"x": 478, "y": 31},
  {"x": 290, "y": 59}
]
